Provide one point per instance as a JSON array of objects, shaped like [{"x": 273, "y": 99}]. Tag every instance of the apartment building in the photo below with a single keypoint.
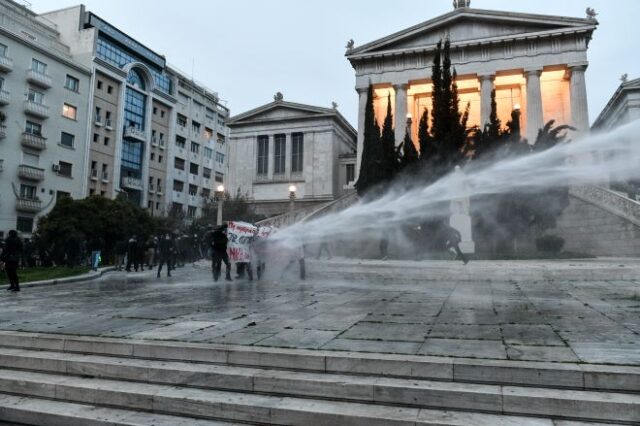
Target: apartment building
[
  {"x": 44, "y": 105},
  {"x": 139, "y": 107}
]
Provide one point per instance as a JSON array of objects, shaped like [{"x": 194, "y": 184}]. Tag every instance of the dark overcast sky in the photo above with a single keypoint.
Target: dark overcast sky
[{"x": 249, "y": 49}]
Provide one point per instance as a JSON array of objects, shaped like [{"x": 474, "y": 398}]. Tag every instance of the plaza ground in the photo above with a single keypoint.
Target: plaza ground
[{"x": 540, "y": 311}]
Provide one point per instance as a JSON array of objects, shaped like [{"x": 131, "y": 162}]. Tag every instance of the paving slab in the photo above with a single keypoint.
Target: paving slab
[{"x": 525, "y": 310}]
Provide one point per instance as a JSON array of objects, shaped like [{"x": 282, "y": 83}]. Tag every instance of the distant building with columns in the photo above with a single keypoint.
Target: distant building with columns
[{"x": 536, "y": 63}]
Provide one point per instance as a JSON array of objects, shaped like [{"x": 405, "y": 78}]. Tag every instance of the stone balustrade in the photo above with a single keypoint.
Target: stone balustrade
[{"x": 611, "y": 201}]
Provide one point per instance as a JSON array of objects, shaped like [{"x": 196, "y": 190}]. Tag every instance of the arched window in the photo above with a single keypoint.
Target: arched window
[{"x": 135, "y": 79}]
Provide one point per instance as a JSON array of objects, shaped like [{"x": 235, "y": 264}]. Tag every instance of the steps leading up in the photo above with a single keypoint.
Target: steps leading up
[{"x": 279, "y": 386}]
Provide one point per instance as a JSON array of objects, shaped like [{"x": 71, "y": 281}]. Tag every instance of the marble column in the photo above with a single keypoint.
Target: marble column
[
  {"x": 400, "y": 115},
  {"x": 486, "y": 87},
  {"x": 578, "y": 96},
  {"x": 362, "y": 105},
  {"x": 534, "y": 104}
]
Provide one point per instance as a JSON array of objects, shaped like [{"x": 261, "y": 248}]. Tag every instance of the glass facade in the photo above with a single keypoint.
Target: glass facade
[
  {"x": 134, "y": 109},
  {"x": 116, "y": 55}
]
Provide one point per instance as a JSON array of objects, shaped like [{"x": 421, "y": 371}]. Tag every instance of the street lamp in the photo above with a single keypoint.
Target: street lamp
[
  {"x": 220, "y": 199},
  {"x": 292, "y": 197}
]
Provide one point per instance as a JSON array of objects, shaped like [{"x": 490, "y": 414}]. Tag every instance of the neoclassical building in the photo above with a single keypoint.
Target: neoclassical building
[
  {"x": 286, "y": 143},
  {"x": 536, "y": 63}
]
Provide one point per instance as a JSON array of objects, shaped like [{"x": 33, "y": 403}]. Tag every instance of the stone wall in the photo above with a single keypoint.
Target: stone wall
[{"x": 588, "y": 228}]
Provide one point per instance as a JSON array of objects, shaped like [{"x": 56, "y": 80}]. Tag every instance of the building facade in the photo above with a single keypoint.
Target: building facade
[
  {"x": 140, "y": 108},
  {"x": 44, "y": 101},
  {"x": 284, "y": 143},
  {"x": 622, "y": 108},
  {"x": 535, "y": 63}
]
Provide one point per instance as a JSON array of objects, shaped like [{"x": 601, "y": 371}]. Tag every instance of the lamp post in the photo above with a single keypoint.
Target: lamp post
[
  {"x": 220, "y": 199},
  {"x": 292, "y": 197}
]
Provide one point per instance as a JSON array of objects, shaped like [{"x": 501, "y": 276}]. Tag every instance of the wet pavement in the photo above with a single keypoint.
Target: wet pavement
[{"x": 343, "y": 305}]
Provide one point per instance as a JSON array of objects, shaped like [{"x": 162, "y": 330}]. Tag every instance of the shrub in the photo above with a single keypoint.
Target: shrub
[{"x": 550, "y": 244}]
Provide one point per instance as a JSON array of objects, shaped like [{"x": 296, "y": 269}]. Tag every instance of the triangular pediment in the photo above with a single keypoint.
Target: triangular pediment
[
  {"x": 468, "y": 25},
  {"x": 281, "y": 110}
]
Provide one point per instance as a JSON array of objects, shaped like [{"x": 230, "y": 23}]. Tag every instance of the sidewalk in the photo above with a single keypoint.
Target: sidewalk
[{"x": 91, "y": 275}]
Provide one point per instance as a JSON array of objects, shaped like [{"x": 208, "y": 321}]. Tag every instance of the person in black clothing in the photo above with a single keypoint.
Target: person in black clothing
[
  {"x": 166, "y": 249},
  {"x": 132, "y": 254},
  {"x": 219, "y": 242},
  {"x": 451, "y": 238},
  {"x": 11, "y": 257}
]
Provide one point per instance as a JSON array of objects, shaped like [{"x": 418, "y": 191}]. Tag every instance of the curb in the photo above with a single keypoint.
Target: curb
[{"x": 85, "y": 277}]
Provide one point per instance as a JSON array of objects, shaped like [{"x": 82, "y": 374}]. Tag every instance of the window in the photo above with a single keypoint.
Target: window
[
  {"x": 193, "y": 189},
  {"x": 195, "y": 147},
  {"x": 96, "y": 137},
  {"x": 33, "y": 128},
  {"x": 193, "y": 168},
  {"x": 208, "y": 133},
  {"x": 67, "y": 139},
  {"x": 69, "y": 111},
  {"x": 297, "y": 152},
  {"x": 106, "y": 141},
  {"x": 39, "y": 67},
  {"x": 94, "y": 165},
  {"x": 178, "y": 186},
  {"x": 30, "y": 159},
  {"x": 160, "y": 159},
  {"x": 220, "y": 157},
  {"x": 72, "y": 83},
  {"x": 191, "y": 211},
  {"x": 92, "y": 191},
  {"x": 206, "y": 192},
  {"x": 219, "y": 177},
  {"x": 221, "y": 138},
  {"x": 135, "y": 79},
  {"x": 179, "y": 163},
  {"x": 35, "y": 96},
  {"x": 109, "y": 89},
  {"x": 279, "y": 154},
  {"x": 351, "y": 172},
  {"x": 208, "y": 152},
  {"x": 206, "y": 173},
  {"x": 161, "y": 113},
  {"x": 263, "y": 155},
  {"x": 159, "y": 185},
  {"x": 65, "y": 169},
  {"x": 3, "y": 50},
  {"x": 28, "y": 191},
  {"x": 183, "y": 98},
  {"x": 155, "y": 111},
  {"x": 182, "y": 120},
  {"x": 24, "y": 224},
  {"x": 99, "y": 84},
  {"x": 210, "y": 114},
  {"x": 153, "y": 156},
  {"x": 62, "y": 194},
  {"x": 105, "y": 172},
  {"x": 180, "y": 142},
  {"x": 195, "y": 126},
  {"x": 98, "y": 116}
]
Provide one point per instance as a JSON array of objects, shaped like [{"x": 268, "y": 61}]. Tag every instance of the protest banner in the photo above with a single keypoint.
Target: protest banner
[{"x": 240, "y": 236}]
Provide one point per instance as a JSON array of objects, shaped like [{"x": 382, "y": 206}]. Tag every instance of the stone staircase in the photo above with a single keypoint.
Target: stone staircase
[
  {"x": 309, "y": 213},
  {"x": 66, "y": 380}
]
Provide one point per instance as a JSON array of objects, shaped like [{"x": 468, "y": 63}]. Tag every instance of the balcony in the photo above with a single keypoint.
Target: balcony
[
  {"x": 31, "y": 173},
  {"x": 107, "y": 124},
  {"x": 131, "y": 183},
  {"x": 94, "y": 174},
  {"x": 35, "y": 109},
  {"x": 5, "y": 97},
  {"x": 33, "y": 140},
  {"x": 135, "y": 134},
  {"x": 3, "y": 132},
  {"x": 39, "y": 79},
  {"x": 29, "y": 205},
  {"x": 6, "y": 64}
]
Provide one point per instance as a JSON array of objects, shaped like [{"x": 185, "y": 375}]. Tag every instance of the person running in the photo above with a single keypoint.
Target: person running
[
  {"x": 11, "y": 257},
  {"x": 219, "y": 253},
  {"x": 451, "y": 239}
]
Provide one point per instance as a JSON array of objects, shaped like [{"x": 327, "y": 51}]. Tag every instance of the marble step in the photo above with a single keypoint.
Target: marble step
[
  {"x": 517, "y": 373},
  {"x": 226, "y": 406},
  {"x": 20, "y": 410},
  {"x": 590, "y": 405}
]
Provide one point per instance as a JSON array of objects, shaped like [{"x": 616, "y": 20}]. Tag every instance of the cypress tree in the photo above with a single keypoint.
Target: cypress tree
[
  {"x": 371, "y": 150},
  {"x": 409, "y": 154},
  {"x": 389, "y": 156},
  {"x": 494, "y": 126},
  {"x": 427, "y": 149}
]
